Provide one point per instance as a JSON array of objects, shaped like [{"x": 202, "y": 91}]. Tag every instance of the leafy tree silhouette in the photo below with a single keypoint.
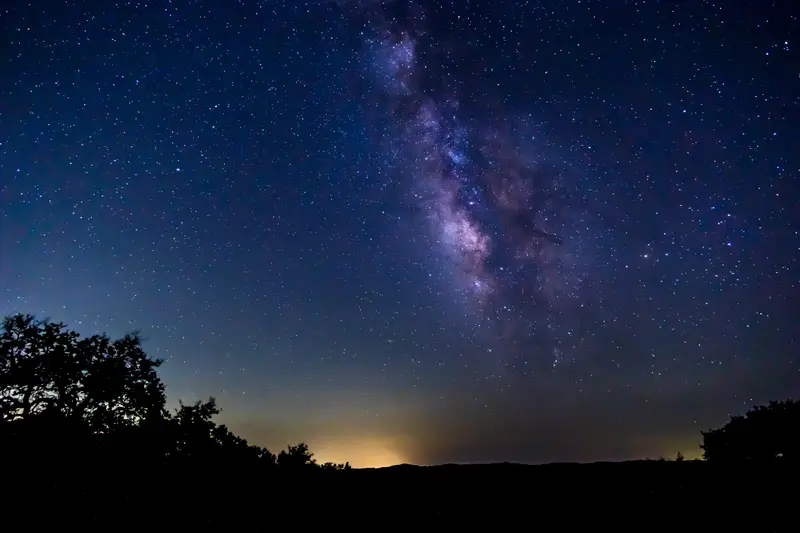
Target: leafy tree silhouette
[
  {"x": 44, "y": 368},
  {"x": 102, "y": 400},
  {"x": 764, "y": 433},
  {"x": 197, "y": 437},
  {"x": 296, "y": 457},
  {"x": 83, "y": 394}
]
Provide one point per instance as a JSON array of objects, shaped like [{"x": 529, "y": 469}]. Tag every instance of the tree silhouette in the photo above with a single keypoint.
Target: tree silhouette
[
  {"x": 197, "y": 437},
  {"x": 66, "y": 399},
  {"x": 44, "y": 368},
  {"x": 296, "y": 458},
  {"x": 765, "y": 433},
  {"x": 85, "y": 432}
]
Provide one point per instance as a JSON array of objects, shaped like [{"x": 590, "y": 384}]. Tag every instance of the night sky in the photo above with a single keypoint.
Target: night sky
[{"x": 417, "y": 232}]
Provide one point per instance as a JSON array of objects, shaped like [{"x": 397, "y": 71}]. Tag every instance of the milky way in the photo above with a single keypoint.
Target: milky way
[{"x": 501, "y": 216}]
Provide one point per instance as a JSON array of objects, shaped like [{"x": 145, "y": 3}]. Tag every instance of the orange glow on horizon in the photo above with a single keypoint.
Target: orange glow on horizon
[
  {"x": 361, "y": 453},
  {"x": 687, "y": 447}
]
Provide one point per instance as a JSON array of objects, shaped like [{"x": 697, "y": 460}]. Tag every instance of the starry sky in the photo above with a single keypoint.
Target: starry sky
[{"x": 424, "y": 232}]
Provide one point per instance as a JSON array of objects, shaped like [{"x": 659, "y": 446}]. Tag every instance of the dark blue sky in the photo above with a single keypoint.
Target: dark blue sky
[{"x": 419, "y": 232}]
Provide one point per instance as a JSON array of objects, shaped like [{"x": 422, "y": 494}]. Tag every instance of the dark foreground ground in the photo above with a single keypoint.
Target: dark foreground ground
[{"x": 634, "y": 496}]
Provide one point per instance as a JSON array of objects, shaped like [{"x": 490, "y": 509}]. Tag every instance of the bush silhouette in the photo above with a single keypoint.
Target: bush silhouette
[{"x": 765, "y": 433}]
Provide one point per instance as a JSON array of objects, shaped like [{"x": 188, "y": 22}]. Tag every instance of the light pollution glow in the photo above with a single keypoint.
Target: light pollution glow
[{"x": 359, "y": 452}]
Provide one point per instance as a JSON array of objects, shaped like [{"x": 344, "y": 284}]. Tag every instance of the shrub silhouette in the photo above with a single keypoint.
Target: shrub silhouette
[{"x": 765, "y": 433}]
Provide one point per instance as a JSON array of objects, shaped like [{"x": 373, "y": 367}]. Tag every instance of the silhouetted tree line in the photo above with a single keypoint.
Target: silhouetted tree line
[
  {"x": 72, "y": 401},
  {"x": 68, "y": 400},
  {"x": 86, "y": 438},
  {"x": 766, "y": 433}
]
